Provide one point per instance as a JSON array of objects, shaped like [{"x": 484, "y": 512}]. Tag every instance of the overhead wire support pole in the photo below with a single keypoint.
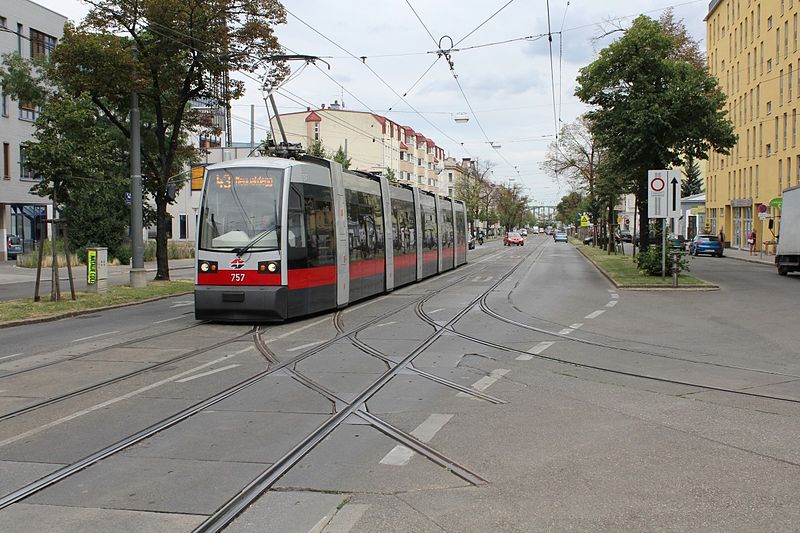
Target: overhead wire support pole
[{"x": 137, "y": 274}]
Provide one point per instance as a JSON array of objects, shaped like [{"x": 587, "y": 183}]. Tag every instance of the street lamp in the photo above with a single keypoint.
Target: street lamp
[
  {"x": 495, "y": 145},
  {"x": 461, "y": 118}
]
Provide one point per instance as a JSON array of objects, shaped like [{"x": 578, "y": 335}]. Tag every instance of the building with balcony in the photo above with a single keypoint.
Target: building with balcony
[
  {"x": 372, "y": 142},
  {"x": 752, "y": 49},
  {"x": 32, "y": 31}
]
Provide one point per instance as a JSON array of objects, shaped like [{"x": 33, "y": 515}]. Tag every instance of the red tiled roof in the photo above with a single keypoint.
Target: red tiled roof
[
  {"x": 313, "y": 117},
  {"x": 403, "y": 146}
]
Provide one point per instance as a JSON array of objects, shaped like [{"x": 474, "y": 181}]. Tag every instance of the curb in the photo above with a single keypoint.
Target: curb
[{"x": 687, "y": 288}]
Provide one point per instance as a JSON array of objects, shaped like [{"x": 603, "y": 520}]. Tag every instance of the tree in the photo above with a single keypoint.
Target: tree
[
  {"x": 511, "y": 206},
  {"x": 390, "y": 175},
  {"x": 185, "y": 50},
  {"x": 693, "y": 184},
  {"x": 651, "y": 108},
  {"x": 474, "y": 188},
  {"x": 570, "y": 207},
  {"x": 316, "y": 149},
  {"x": 341, "y": 157},
  {"x": 576, "y": 156}
]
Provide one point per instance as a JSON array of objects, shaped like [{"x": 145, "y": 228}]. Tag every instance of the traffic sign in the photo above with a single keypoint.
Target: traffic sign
[
  {"x": 762, "y": 208},
  {"x": 663, "y": 193},
  {"x": 584, "y": 221}
]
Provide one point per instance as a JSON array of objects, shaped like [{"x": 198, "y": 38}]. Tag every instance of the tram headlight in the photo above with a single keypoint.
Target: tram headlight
[
  {"x": 269, "y": 267},
  {"x": 207, "y": 267}
]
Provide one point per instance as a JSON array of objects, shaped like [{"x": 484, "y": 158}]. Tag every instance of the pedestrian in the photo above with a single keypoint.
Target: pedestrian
[
  {"x": 722, "y": 237},
  {"x": 751, "y": 240}
]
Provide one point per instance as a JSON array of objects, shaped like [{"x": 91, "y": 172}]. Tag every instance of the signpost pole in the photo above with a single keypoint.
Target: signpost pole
[{"x": 663, "y": 248}]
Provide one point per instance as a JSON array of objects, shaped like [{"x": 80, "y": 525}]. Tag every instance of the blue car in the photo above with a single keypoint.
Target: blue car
[
  {"x": 706, "y": 244},
  {"x": 560, "y": 236}
]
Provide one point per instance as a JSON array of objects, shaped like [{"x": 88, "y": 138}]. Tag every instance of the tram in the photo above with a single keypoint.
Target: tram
[{"x": 283, "y": 238}]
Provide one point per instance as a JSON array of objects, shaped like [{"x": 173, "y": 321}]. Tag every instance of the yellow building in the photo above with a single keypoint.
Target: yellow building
[{"x": 752, "y": 49}]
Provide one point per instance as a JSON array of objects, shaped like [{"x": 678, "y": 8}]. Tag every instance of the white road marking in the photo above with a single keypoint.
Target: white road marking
[
  {"x": 112, "y": 401},
  {"x": 204, "y": 374},
  {"x": 615, "y": 296},
  {"x": 576, "y": 325},
  {"x": 168, "y": 319},
  {"x": 487, "y": 381},
  {"x": 595, "y": 314},
  {"x": 539, "y": 348},
  {"x": 181, "y": 304},
  {"x": 95, "y": 336},
  {"x": 612, "y": 303},
  {"x": 298, "y": 330},
  {"x": 304, "y": 346},
  {"x": 565, "y": 331},
  {"x": 385, "y": 324},
  {"x": 346, "y": 519},
  {"x": 10, "y": 356},
  {"x": 436, "y": 310},
  {"x": 400, "y": 455},
  {"x": 610, "y": 290}
]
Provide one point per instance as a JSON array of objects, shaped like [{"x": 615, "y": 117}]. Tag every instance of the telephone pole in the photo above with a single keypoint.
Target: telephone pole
[{"x": 138, "y": 274}]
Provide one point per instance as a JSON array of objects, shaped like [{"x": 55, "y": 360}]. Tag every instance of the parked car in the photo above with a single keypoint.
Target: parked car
[
  {"x": 706, "y": 244},
  {"x": 513, "y": 239},
  {"x": 523, "y": 232},
  {"x": 14, "y": 246},
  {"x": 677, "y": 241},
  {"x": 625, "y": 236},
  {"x": 560, "y": 236}
]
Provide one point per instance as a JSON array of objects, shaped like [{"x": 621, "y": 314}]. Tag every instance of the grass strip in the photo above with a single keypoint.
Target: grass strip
[
  {"x": 12, "y": 311},
  {"x": 624, "y": 272}
]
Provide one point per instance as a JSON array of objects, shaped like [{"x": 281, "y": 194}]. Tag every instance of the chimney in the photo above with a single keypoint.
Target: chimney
[
  {"x": 323, "y": 106},
  {"x": 308, "y": 108}
]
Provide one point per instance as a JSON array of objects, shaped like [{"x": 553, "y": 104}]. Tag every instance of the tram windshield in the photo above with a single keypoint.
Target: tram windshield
[{"x": 241, "y": 209}]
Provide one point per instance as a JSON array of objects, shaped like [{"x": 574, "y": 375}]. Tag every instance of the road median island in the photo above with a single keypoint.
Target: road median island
[
  {"x": 623, "y": 272},
  {"x": 26, "y": 311}
]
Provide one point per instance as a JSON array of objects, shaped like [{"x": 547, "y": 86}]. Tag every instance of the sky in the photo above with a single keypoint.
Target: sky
[{"x": 515, "y": 85}]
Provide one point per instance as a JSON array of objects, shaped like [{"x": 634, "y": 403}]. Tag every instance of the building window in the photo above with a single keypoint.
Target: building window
[
  {"x": 769, "y": 65},
  {"x": 6, "y": 161},
  {"x": 182, "y": 226},
  {"x": 790, "y": 79},
  {"x": 794, "y": 127},
  {"x": 24, "y": 173},
  {"x": 769, "y": 149},
  {"x": 3, "y": 22},
  {"x": 780, "y": 88},
  {"x": 785, "y": 129},
  {"x": 316, "y": 131},
  {"x": 41, "y": 44},
  {"x": 27, "y": 111},
  {"x": 769, "y": 22},
  {"x": 3, "y": 103},
  {"x": 769, "y": 108}
]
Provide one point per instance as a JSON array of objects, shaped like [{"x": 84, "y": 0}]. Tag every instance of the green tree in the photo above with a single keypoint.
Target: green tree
[
  {"x": 185, "y": 50},
  {"x": 316, "y": 149},
  {"x": 390, "y": 174},
  {"x": 652, "y": 108},
  {"x": 341, "y": 157},
  {"x": 474, "y": 188},
  {"x": 511, "y": 206},
  {"x": 693, "y": 184},
  {"x": 570, "y": 207}
]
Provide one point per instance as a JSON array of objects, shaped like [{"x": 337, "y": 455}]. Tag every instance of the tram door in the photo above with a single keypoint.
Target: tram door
[{"x": 311, "y": 243}]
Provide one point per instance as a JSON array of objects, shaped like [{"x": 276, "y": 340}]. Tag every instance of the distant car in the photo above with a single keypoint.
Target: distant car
[
  {"x": 706, "y": 244},
  {"x": 14, "y": 246},
  {"x": 625, "y": 236},
  {"x": 513, "y": 239},
  {"x": 523, "y": 232},
  {"x": 560, "y": 236},
  {"x": 677, "y": 241}
]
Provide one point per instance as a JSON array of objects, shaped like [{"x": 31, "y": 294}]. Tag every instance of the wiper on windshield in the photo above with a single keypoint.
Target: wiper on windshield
[{"x": 243, "y": 249}]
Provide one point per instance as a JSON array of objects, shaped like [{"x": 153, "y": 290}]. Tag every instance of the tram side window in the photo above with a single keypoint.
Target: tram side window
[
  {"x": 447, "y": 227},
  {"x": 403, "y": 227},
  {"x": 364, "y": 225},
  {"x": 428, "y": 228},
  {"x": 319, "y": 225},
  {"x": 298, "y": 255}
]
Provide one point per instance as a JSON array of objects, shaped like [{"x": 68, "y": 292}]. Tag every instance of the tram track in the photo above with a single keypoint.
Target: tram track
[{"x": 122, "y": 444}]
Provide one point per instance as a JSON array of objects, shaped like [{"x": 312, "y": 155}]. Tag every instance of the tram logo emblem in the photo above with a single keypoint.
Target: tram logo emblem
[{"x": 237, "y": 263}]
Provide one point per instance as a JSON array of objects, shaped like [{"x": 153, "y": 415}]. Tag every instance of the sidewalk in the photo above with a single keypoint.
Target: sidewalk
[
  {"x": 744, "y": 255},
  {"x": 11, "y": 273}
]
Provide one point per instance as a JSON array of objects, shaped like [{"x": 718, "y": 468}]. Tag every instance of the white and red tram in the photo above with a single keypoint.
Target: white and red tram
[{"x": 283, "y": 238}]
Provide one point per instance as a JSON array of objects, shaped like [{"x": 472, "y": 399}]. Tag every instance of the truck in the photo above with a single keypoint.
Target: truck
[{"x": 787, "y": 257}]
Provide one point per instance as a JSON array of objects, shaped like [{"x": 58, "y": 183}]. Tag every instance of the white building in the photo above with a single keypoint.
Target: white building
[{"x": 32, "y": 31}]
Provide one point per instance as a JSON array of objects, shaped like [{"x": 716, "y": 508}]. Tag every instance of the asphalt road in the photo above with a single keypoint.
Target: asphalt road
[{"x": 553, "y": 401}]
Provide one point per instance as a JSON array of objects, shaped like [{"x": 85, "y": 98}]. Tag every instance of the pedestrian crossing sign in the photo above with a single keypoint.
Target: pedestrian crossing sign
[{"x": 584, "y": 221}]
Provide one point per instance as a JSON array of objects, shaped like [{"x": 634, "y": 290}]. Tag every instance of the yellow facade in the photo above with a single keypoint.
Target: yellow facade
[{"x": 752, "y": 49}]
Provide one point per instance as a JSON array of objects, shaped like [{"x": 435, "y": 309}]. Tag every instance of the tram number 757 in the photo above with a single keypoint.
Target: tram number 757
[{"x": 237, "y": 277}]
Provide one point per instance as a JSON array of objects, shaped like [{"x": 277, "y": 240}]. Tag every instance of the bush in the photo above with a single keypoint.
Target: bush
[{"x": 649, "y": 261}]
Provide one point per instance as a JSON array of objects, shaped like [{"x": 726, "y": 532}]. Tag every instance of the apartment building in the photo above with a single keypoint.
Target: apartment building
[
  {"x": 372, "y": 142},
  {"x": 32, "y": 31},
  {"x": 752, "y": 49}
]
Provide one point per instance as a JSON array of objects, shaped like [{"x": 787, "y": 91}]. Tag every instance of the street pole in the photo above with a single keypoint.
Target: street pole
[
  {"x": 663, "y": 248},
  {"x": 138, "y": 275}
]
